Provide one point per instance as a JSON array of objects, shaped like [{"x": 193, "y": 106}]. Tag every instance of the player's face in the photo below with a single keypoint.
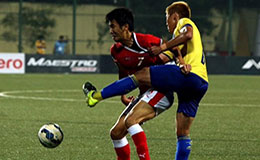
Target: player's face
[
  {"x": 116, "y": 31},
  {"x": 171, "y": 22}
]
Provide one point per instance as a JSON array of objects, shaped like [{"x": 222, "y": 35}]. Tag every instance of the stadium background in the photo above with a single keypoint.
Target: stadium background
[{"x": 228, "y": 27}]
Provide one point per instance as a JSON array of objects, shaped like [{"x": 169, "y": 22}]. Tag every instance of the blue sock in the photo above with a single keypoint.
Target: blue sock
[
  {"x": 120, "y": 87},
  {"x": 183, "y": 148}
]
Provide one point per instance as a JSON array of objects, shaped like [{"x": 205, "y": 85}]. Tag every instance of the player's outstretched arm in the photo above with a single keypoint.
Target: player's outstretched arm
[{"x": 186, "y": 35}]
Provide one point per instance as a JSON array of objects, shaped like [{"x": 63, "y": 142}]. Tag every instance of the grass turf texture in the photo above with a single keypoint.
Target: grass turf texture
[{"x": 226, "y": 127}]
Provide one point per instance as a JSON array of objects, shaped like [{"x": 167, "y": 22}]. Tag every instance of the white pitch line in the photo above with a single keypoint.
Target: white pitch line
[
  {"x": 41, "y": 98},
  {"x": 6, "y": 94},
  {"x": 229, "y": 105},
  {"x": 38, "y": 91}
]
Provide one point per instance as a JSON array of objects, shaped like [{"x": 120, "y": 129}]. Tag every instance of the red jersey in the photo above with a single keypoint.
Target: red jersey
[{"x": 130, "y": 60}]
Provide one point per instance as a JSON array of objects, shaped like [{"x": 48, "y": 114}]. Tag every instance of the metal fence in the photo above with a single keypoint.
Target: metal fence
[{"x": 227, "y": 27}]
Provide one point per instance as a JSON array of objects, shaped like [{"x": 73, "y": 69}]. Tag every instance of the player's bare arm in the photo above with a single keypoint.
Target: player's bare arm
[
  {"x": 185, "y": 68},
  {"x": 180, "y": 39},
  {"x": 126, "y": 100}
]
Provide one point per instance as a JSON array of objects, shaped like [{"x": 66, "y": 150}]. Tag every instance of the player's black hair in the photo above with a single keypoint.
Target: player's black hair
[{"x": 122, "y": 16}]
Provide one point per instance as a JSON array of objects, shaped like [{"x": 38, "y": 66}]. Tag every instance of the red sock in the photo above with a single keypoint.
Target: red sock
[
  {"x": 140, "y": 141},
  {"x": 122, "y": 149},
  {"x": 123, "y": 153}
]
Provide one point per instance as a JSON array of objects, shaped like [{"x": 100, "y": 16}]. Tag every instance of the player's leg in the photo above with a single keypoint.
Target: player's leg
[
  {"x": 159, "y": 77},
  {"x": 119, "y": 87},
  {"x": 151, "y": 104},
  {"x": 186, "y": 112},
  {"x": 119, "y": 131},
  {"x": 189, "y": 99},
  {"x": 162, "y": 77},
  {"x": 140, "y": 113},
  {"x": 118, "y": 135},
  {"x": 183, "y": 124},
  {"x": 125, "y": 85}
]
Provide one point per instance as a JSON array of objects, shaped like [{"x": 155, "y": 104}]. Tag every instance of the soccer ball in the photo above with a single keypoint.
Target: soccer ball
[{"x": 50, "y": 135}]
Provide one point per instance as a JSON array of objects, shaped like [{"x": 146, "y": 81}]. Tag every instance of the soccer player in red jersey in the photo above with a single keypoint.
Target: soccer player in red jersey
[{"x": 130, "y": 53}]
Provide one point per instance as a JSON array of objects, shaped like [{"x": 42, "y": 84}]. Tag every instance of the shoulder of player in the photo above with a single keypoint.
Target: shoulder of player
[
  {"x": 116, "y": 47},
  {"x": 145, "y": 40},
  {"x": 142, "y": 36},
  {"x": 185, "y": 21}
]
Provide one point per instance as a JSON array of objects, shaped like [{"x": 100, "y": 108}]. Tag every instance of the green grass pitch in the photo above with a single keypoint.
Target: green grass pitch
[{"x": 227, "y": 126}]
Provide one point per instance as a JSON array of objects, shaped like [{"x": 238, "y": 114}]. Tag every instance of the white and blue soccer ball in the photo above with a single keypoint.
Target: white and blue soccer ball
[{"x": 50, "y": 135}]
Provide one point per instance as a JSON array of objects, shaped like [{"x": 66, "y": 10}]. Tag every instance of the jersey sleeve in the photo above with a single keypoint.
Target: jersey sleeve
[
  {"x": 169, "y": 54},
  {"x": 115, "y": 49},
  {"x": 148, "y": 40},
  {"x": 153, "y": 40},
  {"x": 181, "y": 27},
  {"x": 183, "y": 23}
]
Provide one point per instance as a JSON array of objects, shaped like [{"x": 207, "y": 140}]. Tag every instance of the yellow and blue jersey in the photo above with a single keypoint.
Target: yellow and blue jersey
[{"x": 193, "y": 48}]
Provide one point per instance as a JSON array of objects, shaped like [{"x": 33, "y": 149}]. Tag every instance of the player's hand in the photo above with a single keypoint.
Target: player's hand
[
  {"x": 185, "y": 68},
  {"x": 126, "y": 100},
  {"x": 155, "y": 50}
]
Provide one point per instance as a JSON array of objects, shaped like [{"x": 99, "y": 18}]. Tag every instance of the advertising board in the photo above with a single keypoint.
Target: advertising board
[
  {"x": 12, "y": 63},
  {"x": 62, "y": 64}
]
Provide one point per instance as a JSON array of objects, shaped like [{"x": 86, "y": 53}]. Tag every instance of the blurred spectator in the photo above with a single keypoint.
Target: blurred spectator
[
  {"x": 61, "y": 46},
  {"x": 40, "y": 45}
]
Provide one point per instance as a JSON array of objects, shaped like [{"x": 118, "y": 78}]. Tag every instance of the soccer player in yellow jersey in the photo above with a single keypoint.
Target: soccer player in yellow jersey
[
  {"x": 189, "y": 80},
  {"x": 186, "y": 36}
]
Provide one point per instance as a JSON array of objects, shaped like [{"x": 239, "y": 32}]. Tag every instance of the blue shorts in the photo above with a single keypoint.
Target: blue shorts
[{"x": 189, "y": 88}]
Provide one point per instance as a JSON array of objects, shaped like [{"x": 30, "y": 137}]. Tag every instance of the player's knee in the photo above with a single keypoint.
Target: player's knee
[
  {"x": 142, "y": 75},
  {"x": 144, "y": 71},
  {"x": 129, "y": 121},
  {"x": 183, "y": 126},
  {"x": 116, "y": 133}
]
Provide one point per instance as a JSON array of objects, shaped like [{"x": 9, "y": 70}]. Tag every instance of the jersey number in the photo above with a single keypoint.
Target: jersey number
[{"x": 140, "y": 61}]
